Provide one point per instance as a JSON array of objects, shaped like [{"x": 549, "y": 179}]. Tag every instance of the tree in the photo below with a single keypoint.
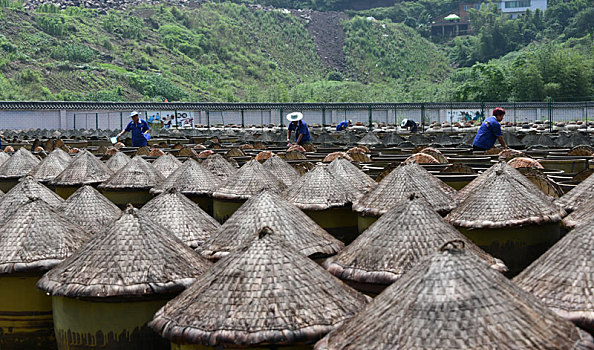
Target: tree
[
  {"x": 582, "y": 24},
  {"x": 525, "y": 81},
  {"x": 487, "y": 83}
]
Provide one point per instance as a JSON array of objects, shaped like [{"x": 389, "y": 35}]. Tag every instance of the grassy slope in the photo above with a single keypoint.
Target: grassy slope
[{"x": 218, "y": 52}]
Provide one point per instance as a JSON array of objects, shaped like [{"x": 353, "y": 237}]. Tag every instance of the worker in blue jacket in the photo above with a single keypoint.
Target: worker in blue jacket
[
  {"x": 343, "y": 125},
  {"x": 409, "y": 124},
  {"x": 489, "y": 132},
  {"x": 301, "y": 130},
  {"x": 139, "y": 129}
]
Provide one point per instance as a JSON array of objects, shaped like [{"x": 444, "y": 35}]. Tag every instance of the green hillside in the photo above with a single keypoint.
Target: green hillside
[{"x": 215, "y": 52}]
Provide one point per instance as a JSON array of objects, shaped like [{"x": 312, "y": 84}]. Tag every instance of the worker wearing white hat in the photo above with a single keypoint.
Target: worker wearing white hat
[
  {"x": 139, "y": 129},
  {"x": 301, "y": 130},
  {"x": 409, "y": 124}
]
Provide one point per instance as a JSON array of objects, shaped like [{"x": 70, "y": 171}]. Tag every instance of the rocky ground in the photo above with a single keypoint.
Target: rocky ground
[{"x": 327, "y": 32}]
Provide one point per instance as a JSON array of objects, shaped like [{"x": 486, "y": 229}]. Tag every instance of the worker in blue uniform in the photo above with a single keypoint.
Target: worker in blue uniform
[
  {"x": 139, "y": 129},
  {"x": 300, "y": 127},
  {"x": 409, "y": 124},
  {"x": 489, "y": 132},
  {"x": 343, "y": 125}
]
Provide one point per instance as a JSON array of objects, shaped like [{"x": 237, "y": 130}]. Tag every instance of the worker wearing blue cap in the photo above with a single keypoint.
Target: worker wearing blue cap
[
  {"x": 139, "y": 129},
  {"x": 301, "y": 130},
  {"x": 489, "y": 132},
  {"x": 343, "y": 125}
]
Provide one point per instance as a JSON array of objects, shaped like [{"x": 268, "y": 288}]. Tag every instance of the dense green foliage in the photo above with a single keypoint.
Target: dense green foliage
[
  {"x": 231, "y": 52},
  {"x": 217, "y": 52}
]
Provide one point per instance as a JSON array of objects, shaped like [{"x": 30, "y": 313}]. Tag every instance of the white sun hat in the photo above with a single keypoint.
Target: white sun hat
[
  {"x": 404, "y": 121},
  {"x": 133, "y": 114},
  {"x": 295, "y": 116}
]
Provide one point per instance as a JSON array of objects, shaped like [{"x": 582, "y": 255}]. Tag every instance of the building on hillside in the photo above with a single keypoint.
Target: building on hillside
[
  {"x": 442, "y": 27},
  {"x": 517, "y": 8}
]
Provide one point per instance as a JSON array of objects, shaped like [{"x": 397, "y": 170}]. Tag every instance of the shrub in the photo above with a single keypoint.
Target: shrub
[
  {"x": 52, "y": 25},
  {"x": 74, "y": 52},
  {"x": 156, "y": 86},
  {"x": 335, "y": 76}
]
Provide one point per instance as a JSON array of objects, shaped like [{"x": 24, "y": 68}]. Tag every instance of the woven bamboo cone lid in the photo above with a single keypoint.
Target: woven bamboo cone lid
[
  {"x": 478, "y": 182},
  {"x": 191, "y": 178},
  {"x": 251, "y": 179},
  {"x": 135, "y": 257},
  {"x": 35, "y": 237},
  {"x": 398, "y": 241},
  {"x": 399, "y": 185},
  {"x": 85, "y": 169},
  {"x": 138, "y": 174},
  {"x": 117, "y": 161},
  {"x": 220, "y": 167},
  {"x": 454, "y": 300},
  {"x": 563, "y": 277},
  {"x": 353, "y": 175},
  {"x": 319, "y": 189},
  {"x": 268, "y": 209},
  {"x": 580, "y": 216},
  {"x": 19, "y": 164},
  {"x": 184, "y": 218},
  {"x": 369, "y": 139},
  {"x": 503, "y": 201},
  {"x": 27, "y": 188},
  {"x": 90, "y": 209},
  {"x": 281, "y": 169},
  {"x": 4, "y": 157},
  {"x": 51, "y": 166},
  {"x": 166, "y": 164},
  {"x": 264, "y": 293},
  {"x": 578, "y": 196}
]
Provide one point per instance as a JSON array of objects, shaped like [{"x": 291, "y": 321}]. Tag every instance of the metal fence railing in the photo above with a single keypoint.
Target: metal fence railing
[{"x": 106, "y": 115}]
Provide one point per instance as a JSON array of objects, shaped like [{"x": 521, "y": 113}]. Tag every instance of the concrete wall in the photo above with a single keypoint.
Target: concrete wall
[{"x": 116, "y": 119}]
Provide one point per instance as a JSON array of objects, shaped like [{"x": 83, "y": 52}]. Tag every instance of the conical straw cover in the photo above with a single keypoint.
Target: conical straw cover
[
  {"x": 83, "y": 170},
  {"x": 478, "y": 182},
  {"x": 353, "y": 175},
  {"x": 264, "y": 293},
  {"x": 578, "y": 196},
  {"x": 36, "y": 237},
  {"x": 502, "y": 201},
  {"x": 51, "y": 166},
  {"x": 166, "y": 164},
  {"x": 396, "y": 242},
  {"x": 400, "y": 184},
  {"x": 184, "y": 218},
  {"x": 217, "y": 165},
  {"x": 138, "y": 173},
  {"x": 369, "y": 139},
  {"x": 190, "y": 178},
  {"x": 90, "y": 209},
  {"x": 21, "y": 162},
  {"x": 281, "y": 169},
  {"x": 4, "y": 157},
  {"x": 319, "y": 189},
  {"x": 134, "y": 257},
  {"x": 454, "y": 300},
  {"x": 251, "y": 179},
  {"x": 392, "y": 139},
  {"x": 268, "y": 209},
  {"x": 27, "y": 188},
  {"x": 580, "y": 216},
  {"x": 63, "y": 155},
  {"x": 117, "y": 161},
  {"x": 563, "y": 277}
]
